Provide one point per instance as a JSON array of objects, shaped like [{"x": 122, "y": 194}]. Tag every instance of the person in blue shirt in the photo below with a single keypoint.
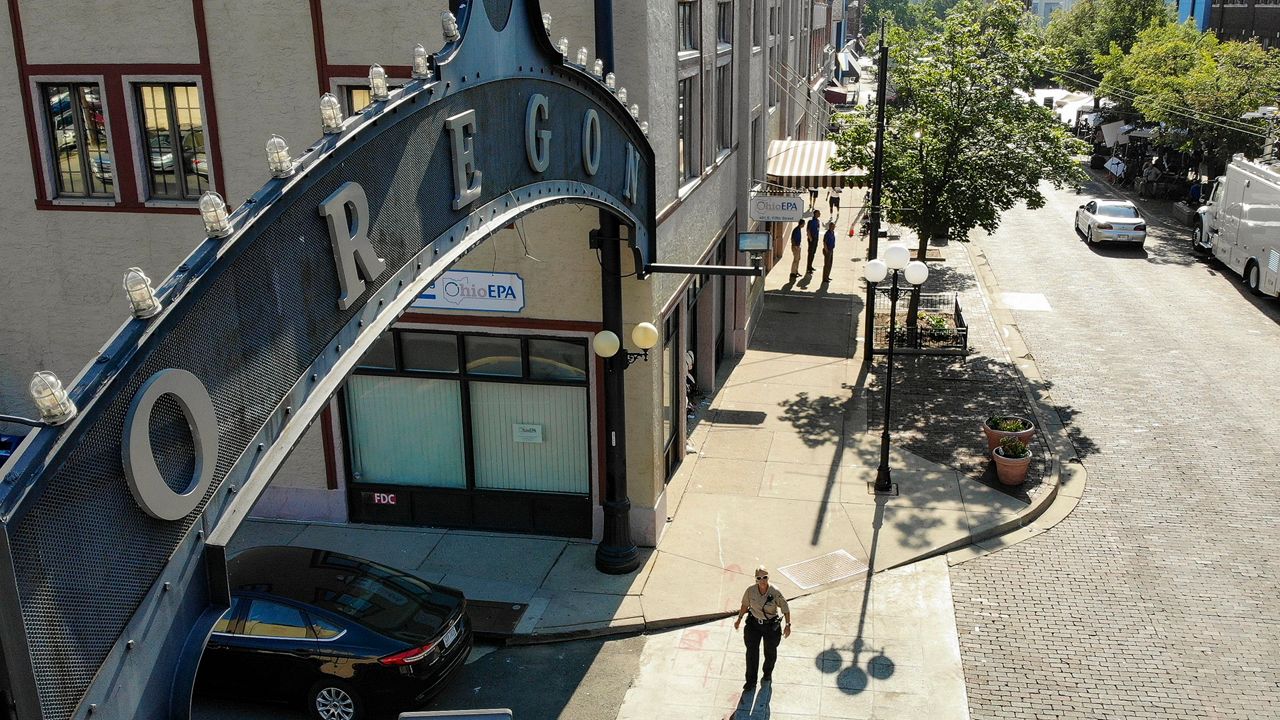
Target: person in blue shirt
[
  {"x": 815, "y": 227},
  {"x": 828, "y": 251},
  {"x": 797, "y": 235}
]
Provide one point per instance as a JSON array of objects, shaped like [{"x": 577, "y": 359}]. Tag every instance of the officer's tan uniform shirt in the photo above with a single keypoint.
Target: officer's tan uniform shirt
[{"x": 766, "y": 606}]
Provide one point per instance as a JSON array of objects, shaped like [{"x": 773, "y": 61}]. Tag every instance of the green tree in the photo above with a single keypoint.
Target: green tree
[
  {"x": 1197, "y": 86},
  {"x": 1092, "y": 28},
  {"x": 961, "y": 146},
  {"x": 908, "y": 14}
]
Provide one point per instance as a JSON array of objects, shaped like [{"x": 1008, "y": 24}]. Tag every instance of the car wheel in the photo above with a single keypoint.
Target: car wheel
[
  {"x": 1252, "y": 278},
  {"x": 1088, "y": 236},
  {"x": 1197, "y": 237},
  {"x": 334, "y": 700}
]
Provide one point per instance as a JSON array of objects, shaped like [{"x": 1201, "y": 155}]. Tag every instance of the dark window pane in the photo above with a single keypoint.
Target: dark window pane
[
  {"x": 382, "y": 355},
  {"x": 493, "y": 356},
  {"x": 271, "y": 619},
  {"x": 324, "y": 629},
  {"x": 557, "y": 360},
  {"x": 433, "y": 352}
]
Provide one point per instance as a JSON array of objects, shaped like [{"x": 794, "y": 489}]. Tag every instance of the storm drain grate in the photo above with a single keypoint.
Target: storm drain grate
[{"x": 823, "y": 569}]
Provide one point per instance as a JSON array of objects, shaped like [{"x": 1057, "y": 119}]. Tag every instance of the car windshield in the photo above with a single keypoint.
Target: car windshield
[
  {"x": 1117, "y": 211},
  {"x": 400, "y": 605}
]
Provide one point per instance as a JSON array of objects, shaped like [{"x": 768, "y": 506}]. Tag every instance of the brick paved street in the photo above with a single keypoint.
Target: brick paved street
[{"x": 1157, "y": 597}]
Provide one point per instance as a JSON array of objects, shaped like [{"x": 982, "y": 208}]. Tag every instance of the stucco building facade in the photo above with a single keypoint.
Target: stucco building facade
[{"x": 483, "y": 407}]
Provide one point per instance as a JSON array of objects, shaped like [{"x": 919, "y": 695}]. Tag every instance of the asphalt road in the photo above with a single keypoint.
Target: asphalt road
[
  {"x": 1157, "y": 597},
  {"x": 581, "y": 680}
]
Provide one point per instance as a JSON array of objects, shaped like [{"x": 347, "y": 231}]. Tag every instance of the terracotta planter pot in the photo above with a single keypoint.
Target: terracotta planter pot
[
  {"x": 1011, "y": 471},
  {"x": 995, "y": 436}
]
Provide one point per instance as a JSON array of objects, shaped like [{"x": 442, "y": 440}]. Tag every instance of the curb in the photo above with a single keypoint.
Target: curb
[{"x": 1066, "y": 481}]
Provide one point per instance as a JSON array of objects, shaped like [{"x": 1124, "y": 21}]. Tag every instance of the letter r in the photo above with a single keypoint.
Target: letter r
[{"x": 347, "y": 214}]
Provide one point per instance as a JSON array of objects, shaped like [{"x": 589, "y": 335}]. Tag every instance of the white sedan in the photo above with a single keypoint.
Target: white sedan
[{"x": 1111, "y": 221}]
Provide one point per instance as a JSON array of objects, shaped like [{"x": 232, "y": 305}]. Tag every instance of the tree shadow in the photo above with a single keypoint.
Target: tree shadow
[
  {"x": 818, "y": 420},
  {"x": 940, "y": 402}
]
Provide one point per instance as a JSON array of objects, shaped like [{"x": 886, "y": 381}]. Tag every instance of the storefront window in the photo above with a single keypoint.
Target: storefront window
[
  {"x": 493, "y": 356},
  {"x": 530, "y": 437},
  {"x": 382, "y": 355},
  {"x": 430, "y": 352},
  {"x": 406, "y": 431},
  {"x": 557, "y": 360}
]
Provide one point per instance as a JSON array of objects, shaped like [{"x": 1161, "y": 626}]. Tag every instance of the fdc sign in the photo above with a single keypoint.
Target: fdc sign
[
  {"x": 776, "y": 208},
  {"x": 114, "y": 525}
]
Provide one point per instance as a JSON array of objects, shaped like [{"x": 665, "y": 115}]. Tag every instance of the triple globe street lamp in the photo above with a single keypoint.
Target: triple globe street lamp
[{"x": 898, "y": 260}]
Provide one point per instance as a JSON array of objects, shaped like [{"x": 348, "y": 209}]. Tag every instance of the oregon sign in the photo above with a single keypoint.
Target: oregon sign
[{"x": 112, "y": 564}]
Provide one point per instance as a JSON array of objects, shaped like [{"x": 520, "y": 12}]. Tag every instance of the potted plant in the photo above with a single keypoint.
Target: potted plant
[
  {"x": 999, "y": 427},
  {"x": 1013, "y": 459}
]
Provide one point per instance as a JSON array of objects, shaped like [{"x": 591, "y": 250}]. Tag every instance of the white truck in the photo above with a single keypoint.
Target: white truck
[{"x": 1240, "y": 224}]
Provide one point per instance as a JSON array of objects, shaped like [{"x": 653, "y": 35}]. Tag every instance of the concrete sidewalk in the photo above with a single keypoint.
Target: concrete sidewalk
[{"x": 780, "y": 473}]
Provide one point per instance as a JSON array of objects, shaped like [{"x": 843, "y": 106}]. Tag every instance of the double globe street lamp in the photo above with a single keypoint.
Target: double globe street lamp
[{"x": 897, "y": 259}]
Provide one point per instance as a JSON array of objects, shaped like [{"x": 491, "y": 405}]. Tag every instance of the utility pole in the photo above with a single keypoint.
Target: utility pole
[{"x": 877, "y": 186}]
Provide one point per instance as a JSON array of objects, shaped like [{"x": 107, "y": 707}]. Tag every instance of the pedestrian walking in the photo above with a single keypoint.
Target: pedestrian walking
[
  {"x": 813, "y": 197},
  {"x": 815, "y": 227},
  {"x": 834, "y": 202},
  {"x": 797, "y": 236},
  {"x": 761, "y": 603},
  {"x": 828, "y": 251}
]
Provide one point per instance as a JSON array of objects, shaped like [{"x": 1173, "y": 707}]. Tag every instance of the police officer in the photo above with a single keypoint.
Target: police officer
[
  {"x": 828, "y": 251},
  {"x": 761, "y": 604}
]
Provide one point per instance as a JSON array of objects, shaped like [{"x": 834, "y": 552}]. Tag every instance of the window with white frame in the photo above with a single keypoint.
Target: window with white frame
[
  {"x": 77, "y": 130},
  {"x": 172, "y": 143}
]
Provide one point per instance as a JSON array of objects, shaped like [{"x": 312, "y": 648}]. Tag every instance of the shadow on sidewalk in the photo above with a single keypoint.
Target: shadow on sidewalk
[{"x": 939, "y": 404}]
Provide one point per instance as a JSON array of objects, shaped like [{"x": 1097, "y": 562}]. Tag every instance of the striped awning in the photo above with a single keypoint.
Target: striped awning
[{"x": 803, "y": 164}]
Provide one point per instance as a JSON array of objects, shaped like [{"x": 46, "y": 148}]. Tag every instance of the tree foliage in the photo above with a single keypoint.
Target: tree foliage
[
  {"x": 907, "y": 14},
  {"x": 961, "y": 146},
  {"x": 1093, "y": 27},
  {"x": 1196, "y": 85}
]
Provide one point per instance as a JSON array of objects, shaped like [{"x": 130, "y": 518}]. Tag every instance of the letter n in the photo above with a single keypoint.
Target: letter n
[{"x": 631, "y": 188}]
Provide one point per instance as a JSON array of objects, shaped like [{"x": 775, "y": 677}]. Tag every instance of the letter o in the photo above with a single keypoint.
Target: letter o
[
  {"x": 591, "y": 142},
  {"x": 146, "y": 483}
]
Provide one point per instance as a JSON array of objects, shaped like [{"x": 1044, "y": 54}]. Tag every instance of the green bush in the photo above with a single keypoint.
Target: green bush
[
  {"x": 1012, "y": 447},
  {"x": 1007, "y": 424}
]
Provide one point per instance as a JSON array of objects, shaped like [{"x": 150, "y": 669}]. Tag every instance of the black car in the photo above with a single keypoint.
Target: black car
[{"x": 336, "y": 632}]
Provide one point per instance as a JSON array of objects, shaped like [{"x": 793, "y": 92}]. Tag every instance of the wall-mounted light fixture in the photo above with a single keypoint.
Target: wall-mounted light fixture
[
  {"x": 622, "y": 95},
  {"x": 611, "y": 82}
]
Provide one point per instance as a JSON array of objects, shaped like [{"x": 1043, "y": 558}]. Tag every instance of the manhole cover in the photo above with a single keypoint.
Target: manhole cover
[{"x": 824, "y": 569}]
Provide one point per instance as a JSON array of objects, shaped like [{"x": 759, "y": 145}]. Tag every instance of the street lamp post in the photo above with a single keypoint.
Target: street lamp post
[{"x": 896, "y": 258}]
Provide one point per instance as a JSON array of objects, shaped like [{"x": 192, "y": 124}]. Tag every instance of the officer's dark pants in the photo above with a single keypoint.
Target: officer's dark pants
[
  {"x": 754, "y": 632},
  {"x": 813, "y": 250}
]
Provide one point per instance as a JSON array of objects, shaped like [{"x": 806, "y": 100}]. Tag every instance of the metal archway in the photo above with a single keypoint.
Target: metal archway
[{"x": 106, "y": 600}]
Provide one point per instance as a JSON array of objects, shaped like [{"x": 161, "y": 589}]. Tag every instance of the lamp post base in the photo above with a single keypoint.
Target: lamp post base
[
  {"x": 892, "y": 490},
  {"x": 616, "y": 559},
  {"x": 616, "y": 554}
]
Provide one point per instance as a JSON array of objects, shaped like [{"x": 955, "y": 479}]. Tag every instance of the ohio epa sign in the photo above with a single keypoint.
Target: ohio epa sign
[
  {"x": 776, "y": 208},
  {"x": 466, "y": 290}
]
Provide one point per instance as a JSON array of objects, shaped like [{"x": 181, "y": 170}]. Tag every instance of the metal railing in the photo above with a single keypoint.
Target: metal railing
[{"x": 941, "y": 328}]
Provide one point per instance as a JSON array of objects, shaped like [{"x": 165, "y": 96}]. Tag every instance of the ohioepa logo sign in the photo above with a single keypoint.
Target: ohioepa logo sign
[{"x": 466, "y": 290}]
